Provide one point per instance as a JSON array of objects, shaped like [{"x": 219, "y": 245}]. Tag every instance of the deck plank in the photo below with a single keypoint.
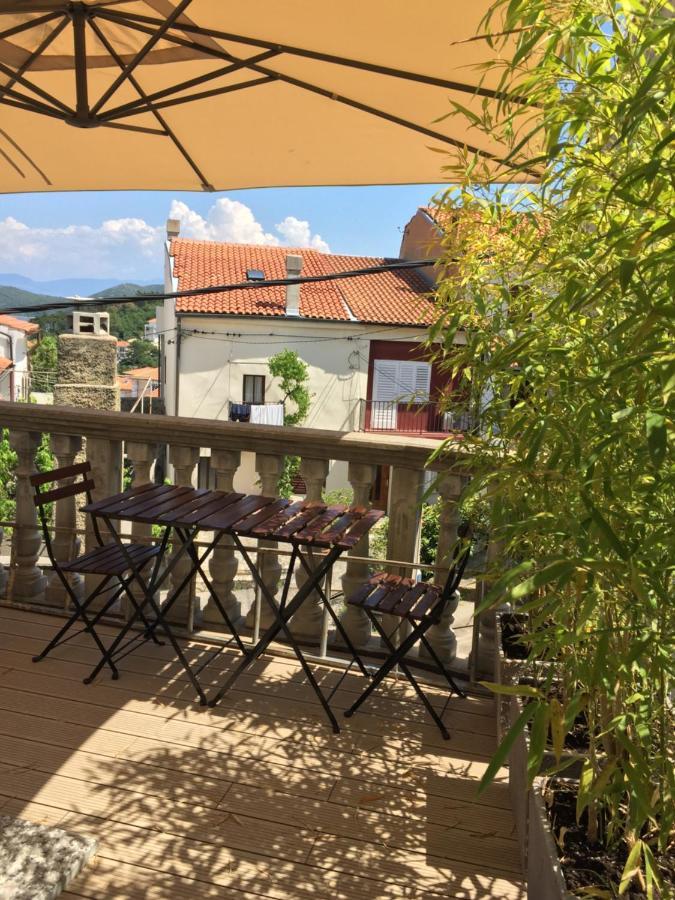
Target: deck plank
[{"x": 256, "y": 799}]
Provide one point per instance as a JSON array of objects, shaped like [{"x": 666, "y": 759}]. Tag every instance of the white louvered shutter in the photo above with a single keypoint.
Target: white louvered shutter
[{"x": 385, "y": 394}]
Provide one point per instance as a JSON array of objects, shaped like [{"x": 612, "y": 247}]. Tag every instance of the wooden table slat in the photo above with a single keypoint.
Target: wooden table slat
[
  {"x": 194, "y": 507},
  {"x": 223, "y": 500},
  {"x": 359, "y": 529},
  {"x": 314, "y": 529},
  {"x": 261, "y": 516},
  {"x": 143, "y": 502},
  {"x": 155, "y": 512},
  {"x": 235, "y": 513},
  {"x": 130, "y": 495},
  {"x": 339, "y": 527},
  {"x": 264, "y": 529},
  {"x": 308, "y": 513}
]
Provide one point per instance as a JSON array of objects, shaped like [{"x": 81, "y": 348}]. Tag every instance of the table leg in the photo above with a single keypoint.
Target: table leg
[{"x": 282, "y": 617}]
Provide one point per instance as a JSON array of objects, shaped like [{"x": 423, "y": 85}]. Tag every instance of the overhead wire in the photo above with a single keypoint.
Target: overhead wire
[{"x": 95, "y": 302}]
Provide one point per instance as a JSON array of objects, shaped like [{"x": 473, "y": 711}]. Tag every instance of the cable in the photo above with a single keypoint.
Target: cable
[{"x": 93, "y": 302}]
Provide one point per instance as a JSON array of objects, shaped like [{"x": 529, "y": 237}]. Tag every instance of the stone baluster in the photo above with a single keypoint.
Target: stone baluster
[
  {"x": 27, "y": 583},
  {"x": 223, "y": 564},
  {"x": 141, "y": 456},
  {"x": 269, "y": 468},
  {"x": 67, "y": 543},
  {"x": 354, "y": 620},
  {"x": 105, "y": 458},
  {"x": 308, "y": 619},
  {"x": 403, "y": 541},
  {"x": 441, "y": 636},
  {"x": 184, "y": 461}
]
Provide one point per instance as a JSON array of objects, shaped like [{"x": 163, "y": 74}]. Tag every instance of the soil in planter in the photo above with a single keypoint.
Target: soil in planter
[{"x": 587, "y": 864}]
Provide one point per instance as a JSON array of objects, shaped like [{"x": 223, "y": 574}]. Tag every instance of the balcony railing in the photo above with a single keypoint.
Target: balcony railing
[
  {"x": 108, "y": 437},
  {"x": 412, "y": 418}
]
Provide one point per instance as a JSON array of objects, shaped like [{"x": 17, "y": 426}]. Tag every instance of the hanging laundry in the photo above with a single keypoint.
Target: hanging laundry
[{"x": 267, "y": 413}]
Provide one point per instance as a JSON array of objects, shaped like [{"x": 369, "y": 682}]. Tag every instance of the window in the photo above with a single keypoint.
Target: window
[
  {"x": 254, "y": 389},
  {"x": 401, "y": 381},
  {"x": 255, "y": 275}
]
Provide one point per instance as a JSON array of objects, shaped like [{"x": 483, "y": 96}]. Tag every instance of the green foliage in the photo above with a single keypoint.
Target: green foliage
[
  {"x": 43, "y": 362},
  {"x": 141, "y": 354},
  {"x": 44, "y": 460},
  {"x": 293, "y": 375},
  {"x": 564, "y": 295}
]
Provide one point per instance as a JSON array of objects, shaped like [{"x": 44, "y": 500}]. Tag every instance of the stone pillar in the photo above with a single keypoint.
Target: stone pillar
[
  {"x": 223, "y": 563},
  {"x": 141, "y": 456},
  {"x": 67, "y": 543},
  {"x": 269, "y": 467},
  {"x": 308, "y": 619},
  {"x": 184, "y": 461},
  {"x": 87, "y": 371},
  {"x": 403, "y": 542},
  {"x": 87, "y": 377},
  {"x": 354, "y": 620},
  {"x": 28, "y": 583},
  {"x": 441, "y": 637}
]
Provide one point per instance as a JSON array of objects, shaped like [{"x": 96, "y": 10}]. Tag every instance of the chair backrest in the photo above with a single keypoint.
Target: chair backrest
[
  {"x": 79, "y": 485},
  {"x": 460, "y": 558}
]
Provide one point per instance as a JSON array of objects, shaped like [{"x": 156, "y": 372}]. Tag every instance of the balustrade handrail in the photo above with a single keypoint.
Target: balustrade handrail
[{"x": 390, "y": 449}]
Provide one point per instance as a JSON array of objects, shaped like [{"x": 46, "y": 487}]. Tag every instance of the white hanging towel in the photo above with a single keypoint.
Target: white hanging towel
[{"x": 267, "y": 414}]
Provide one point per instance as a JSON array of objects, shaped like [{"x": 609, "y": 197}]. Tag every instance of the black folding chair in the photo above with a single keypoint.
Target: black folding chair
[
  {"x": 421, "y": 605},
  {"x": 106, "y": 559}
]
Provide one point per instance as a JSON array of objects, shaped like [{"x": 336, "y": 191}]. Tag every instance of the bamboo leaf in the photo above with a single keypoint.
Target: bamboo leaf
[
  {"x": 656, "y": 437},
  {"x": 631, "y": 868}
]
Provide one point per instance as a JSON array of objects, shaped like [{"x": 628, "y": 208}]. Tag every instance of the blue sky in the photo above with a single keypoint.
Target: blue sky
[{"x": 105, "y": 234}]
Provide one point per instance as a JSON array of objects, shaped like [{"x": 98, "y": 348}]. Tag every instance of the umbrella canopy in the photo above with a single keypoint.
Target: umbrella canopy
[{"x": 215, "y": 94}]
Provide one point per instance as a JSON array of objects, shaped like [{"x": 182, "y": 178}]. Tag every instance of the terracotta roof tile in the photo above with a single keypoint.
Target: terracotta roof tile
[
  {"x": 388, "y": 298},
  {"x": 144, "y": 372},
  {"x": 19, "y": 324}
]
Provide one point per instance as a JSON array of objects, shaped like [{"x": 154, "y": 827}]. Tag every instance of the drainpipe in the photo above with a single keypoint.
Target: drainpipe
[
  {"x": 12, "y": 381},
  {"x": 177, "y": 373}
]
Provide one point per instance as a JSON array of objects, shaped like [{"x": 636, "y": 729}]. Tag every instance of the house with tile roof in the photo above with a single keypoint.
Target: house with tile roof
[
  {"x": 16, "y": 336},
  {"x": 361, "y": 338}
]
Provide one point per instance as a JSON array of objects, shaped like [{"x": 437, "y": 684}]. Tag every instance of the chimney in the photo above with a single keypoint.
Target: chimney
[
  {"x": 293, "y": 269},
  {"x": 172, "y": 228}
]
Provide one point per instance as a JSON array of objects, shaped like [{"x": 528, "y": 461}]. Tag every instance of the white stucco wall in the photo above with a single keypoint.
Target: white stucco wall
[
  {"x": 213, "y": 365},
  {"x": 14, "y": 345}
]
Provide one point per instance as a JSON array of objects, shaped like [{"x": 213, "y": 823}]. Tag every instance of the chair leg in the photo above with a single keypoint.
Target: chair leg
[
  {"x": 441, "y": 668},
  {"x": 81, "y": 613},
  {"x": 397, "y": 659}
]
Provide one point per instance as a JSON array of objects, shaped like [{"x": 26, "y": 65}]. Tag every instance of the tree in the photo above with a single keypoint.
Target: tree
[
  {"x": 141, "y": 355},
  {"x": 293, "y": 375},
  {"x": 43, "y": 364},
  {"x": 563, "y": 294}
]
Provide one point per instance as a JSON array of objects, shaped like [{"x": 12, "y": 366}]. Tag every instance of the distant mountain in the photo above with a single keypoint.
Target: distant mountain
[
  {"x": 21, "y": 297},
  {"x": 59, "y": 287}
]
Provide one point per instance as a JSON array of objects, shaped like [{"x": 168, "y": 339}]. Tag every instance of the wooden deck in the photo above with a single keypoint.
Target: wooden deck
[{"x": 256, "y": 798}]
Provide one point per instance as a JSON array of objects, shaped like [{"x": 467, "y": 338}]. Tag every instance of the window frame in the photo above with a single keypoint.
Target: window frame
[{"x": 256, "y": 390}]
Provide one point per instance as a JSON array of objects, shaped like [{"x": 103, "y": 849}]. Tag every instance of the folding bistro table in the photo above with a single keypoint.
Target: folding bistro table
[{"x": 186, "y": 512}]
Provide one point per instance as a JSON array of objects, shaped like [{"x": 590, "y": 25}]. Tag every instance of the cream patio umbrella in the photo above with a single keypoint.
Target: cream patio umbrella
[{"x": 218, "y": 94}]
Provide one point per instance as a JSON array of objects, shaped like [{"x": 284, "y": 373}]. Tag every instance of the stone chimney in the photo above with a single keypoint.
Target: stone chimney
[
  {"x": 293, "y": 270},
  {"x": 172, "y": 228}
]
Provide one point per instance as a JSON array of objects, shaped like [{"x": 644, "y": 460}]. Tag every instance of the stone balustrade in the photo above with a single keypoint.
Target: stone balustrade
[{"x": 27, "y": 583}]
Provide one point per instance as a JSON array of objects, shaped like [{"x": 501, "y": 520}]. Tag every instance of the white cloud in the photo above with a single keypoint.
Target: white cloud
[{"x": 131, "y": 248}]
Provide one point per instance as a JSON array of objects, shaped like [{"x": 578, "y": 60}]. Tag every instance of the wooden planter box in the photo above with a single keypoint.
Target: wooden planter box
[{"x": 545, "y": 879}]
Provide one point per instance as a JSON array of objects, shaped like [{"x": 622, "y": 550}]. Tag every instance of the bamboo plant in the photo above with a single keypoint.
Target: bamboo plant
[{"x": 562, "y": 292}]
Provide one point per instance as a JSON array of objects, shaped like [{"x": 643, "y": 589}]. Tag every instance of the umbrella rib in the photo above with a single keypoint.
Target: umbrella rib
[
  {"x": 23, "y": 153},
  {"x": 121, "y": 111},
  {"x": 202, "y": 95},
  {"x": 140, "y": 56},
  {"x": 28, "y": 62},
  {"x": 162, "y": 121},
  {"x": 15, "y": 75},
  {"x": 272, "y": 74},
  {"x": 323, "y": 57},
  {"x": 26, "y": 26}
]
